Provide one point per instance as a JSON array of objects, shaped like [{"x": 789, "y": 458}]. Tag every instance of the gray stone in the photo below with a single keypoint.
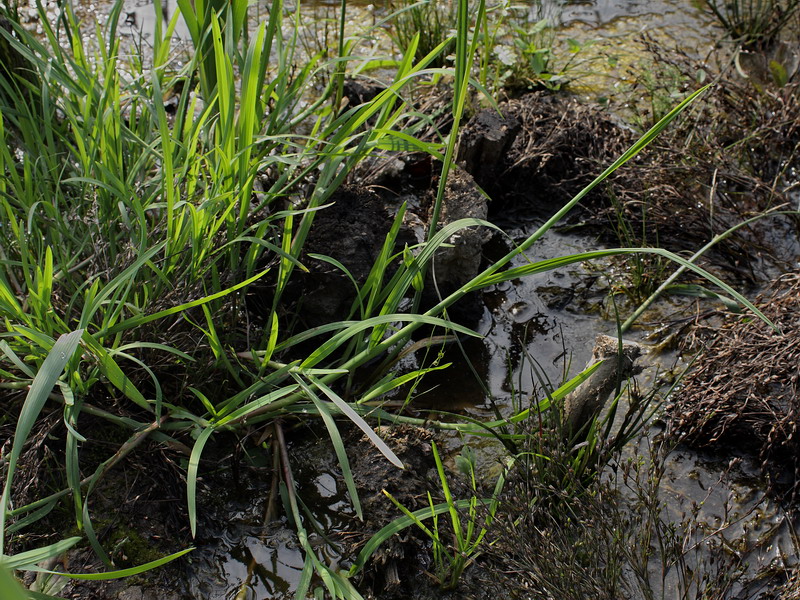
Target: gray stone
[{"x": 587, "y": 401}]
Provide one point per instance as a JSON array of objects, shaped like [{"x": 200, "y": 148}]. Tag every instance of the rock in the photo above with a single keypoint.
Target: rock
[
  {"x": 137, "y": 592},
  {"x": 777, "y": 65},
  {"x": 361, "y": 92},
  {"x": 587, "y": 401}
]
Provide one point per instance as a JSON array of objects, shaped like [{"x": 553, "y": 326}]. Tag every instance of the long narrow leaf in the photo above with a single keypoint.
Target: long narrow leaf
[
  {"x": 43, "y": 383},
  {"x": 29, "y": 559},
  {"x": 191, "y": 477},
  {"x": 396, "y": 526},
  {"x": 119, "y": 574},
  {"x": 338, "y": 444},
  {"x": 351, "y": 414}
]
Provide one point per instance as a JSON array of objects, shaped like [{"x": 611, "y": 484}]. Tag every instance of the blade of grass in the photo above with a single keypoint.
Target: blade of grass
[
  {"x": 120, "y": 573},
  {"x": 51, "y": 369},
  {"x": 338, "y": 444}
]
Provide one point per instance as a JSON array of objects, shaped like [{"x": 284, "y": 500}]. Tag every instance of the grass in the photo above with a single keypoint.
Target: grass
[
  {"x": 131, "y": 234},
  {"x": 431, "y": 23},
  {"x": 753, "y": 23},
  {"x": 468, "y": 532}
]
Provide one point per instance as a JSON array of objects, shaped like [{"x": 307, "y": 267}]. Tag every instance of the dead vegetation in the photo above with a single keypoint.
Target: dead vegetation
[
  {"x": 735, "y": 156},
  {"x": 743, "y": 393}
]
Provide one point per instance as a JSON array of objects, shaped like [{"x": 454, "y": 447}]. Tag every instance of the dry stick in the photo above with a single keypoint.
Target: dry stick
[
  {"x": 269, "y": 515},
  {"x": 98, "y": 412},
  {"x": 286, "y": 467}
]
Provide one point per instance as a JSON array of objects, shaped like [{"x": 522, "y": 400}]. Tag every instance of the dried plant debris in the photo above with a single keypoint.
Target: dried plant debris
[
  {"x": 743, "y": 394},
  {"x": 734, "y": 155},
  {"x": 539, "y": 152},
  {"x": 791, "y": 589}
]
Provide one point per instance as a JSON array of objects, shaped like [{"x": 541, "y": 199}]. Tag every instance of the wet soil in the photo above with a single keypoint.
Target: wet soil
[
  {"x": 522, "y": 319},
  {"x": 138, "y": 512}
]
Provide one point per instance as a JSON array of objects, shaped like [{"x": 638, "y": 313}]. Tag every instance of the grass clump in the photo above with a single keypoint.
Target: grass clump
[
  {"x": 469, "y": 522},
  {"x": 753, "y": 23},
  {"x": 134, "y": 229},
  {"x": 432, "y": 24}
]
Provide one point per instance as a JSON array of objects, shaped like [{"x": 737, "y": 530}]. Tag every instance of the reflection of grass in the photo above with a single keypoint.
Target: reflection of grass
[
  {"x": 616, "y": 540},
  {"x": 132, "y": 229}
]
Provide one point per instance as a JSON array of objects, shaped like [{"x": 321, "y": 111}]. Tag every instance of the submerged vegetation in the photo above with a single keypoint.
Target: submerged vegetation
[{"x": 157, "y": 288}]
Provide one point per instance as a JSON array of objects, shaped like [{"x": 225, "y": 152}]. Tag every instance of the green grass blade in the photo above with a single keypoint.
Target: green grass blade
[
  {"x": 43, "y": 383},
  {"x": 338, "y": 444},
  {"x": 561, "y": 261},
  {"x": 28, "y": 560},
  {"x": 358, "y": 326},
  {"x": 119, "y": 574},
  {"x": 635, "y": 149},
  {"x": 9, "y": 588},
  {"x": 139, "y": 320},
  {"x": 191, "y": 477},
  {"x": 111, "y": 370},
  {"x": 351, "y": 414},
  {"x": 396, "y": 526},
  {"x": 667, "y": 282}
]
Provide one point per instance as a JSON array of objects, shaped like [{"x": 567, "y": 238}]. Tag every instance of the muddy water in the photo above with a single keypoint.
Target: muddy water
[{"x": 241, "y": 558}]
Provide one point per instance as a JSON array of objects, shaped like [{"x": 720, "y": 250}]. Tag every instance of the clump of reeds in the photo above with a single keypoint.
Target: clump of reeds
[{"x": 753, "y": 23}]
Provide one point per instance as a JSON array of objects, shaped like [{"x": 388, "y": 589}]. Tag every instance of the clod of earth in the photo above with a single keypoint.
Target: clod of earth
[
  {"x": 537, "y": 153},
  {"x": 586, "y": 402},
  {"x": 353, "y": 229}
]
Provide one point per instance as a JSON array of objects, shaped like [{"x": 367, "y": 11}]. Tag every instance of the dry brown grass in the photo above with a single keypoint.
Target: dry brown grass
[{"x": 743, "y": 393}]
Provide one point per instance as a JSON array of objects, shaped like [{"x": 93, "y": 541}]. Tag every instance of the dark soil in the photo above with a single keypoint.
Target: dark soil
[
  {"x": 139, "y": 515},
  {"x": 397, "y": 568},
  {"x": 402, "y": 567},
  {"x": 352, "y": 231},
  {"x": 542, "y": 151}
]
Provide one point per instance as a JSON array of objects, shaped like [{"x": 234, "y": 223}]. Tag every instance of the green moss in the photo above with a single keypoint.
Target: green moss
[{"x": 128, "y": 548}]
